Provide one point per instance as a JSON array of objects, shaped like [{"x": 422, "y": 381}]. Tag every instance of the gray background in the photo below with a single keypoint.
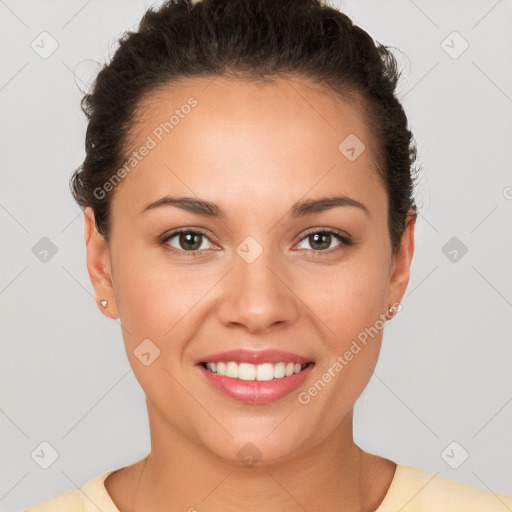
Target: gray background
[{"x": 445, "y": 369}]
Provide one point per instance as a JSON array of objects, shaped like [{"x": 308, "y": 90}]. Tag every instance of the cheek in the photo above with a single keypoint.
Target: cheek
[
  {"x": 160, "y": 303},
  {"x": 352, "y": 297},
  {"x": 153, "y": 306},
  {"x": 151, "y": 295},
  {"x": 351, "y": 310}
]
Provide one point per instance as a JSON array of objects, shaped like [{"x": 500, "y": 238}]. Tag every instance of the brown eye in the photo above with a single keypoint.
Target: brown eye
[
  {"x": 321, "y": 241},
  {"x": 186, "y": 240}
]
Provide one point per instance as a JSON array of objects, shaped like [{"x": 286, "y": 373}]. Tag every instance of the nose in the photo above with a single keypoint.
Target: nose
[{"x": 258, "y": 296}]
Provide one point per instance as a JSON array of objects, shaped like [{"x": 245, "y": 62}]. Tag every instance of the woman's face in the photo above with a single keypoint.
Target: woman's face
[{"x": 264, "y": 277}]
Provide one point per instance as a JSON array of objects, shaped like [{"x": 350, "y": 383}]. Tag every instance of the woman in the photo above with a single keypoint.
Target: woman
[{"x": 249, "y": 218}]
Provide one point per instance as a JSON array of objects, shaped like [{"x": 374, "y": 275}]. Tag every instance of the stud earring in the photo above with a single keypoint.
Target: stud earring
[
  {"x": 392, "y": 311},
  {"x": 104, "y": 303}
]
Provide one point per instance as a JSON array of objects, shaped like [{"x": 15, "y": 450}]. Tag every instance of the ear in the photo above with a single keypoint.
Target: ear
[
  {"x": 99, "y": 265},
  {"x": 402, "y": 259}
]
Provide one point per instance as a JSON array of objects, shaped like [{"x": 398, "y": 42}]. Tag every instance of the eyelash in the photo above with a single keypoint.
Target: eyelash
[{"x": 345, "y": 241}]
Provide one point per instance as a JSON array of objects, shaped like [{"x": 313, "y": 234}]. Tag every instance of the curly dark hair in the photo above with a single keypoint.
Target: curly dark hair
[{"x": 252, "y": 40}]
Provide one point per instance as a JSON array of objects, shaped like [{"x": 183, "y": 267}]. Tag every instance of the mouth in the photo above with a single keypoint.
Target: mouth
[{"x": 255, "y": 377}]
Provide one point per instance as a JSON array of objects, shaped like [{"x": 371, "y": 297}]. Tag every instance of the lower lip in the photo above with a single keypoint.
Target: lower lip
[{"x": 257, "y": 392}]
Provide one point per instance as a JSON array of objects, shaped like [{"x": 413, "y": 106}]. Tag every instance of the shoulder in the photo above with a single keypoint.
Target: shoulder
[
  {"x": 88, "y": 498},
  {"x": 415, "y": 490},
  {"x": 70, "y": 501}
]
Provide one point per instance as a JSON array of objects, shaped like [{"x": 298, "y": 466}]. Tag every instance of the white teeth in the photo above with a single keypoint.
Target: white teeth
[
  {"x": 289, "y": 369},
  {"x": 265, "y": 371},
  {"x": 232, "y": 370},
  {"x": 279, "y": 371},
  {"x": 246, "y": 371},
  {"x": 260, "y": 372}
]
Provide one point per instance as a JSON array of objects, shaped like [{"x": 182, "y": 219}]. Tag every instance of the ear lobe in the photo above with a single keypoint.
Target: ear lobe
[
  {"x": 99, "y": 265},
  {"x": 402, "y": 259}
]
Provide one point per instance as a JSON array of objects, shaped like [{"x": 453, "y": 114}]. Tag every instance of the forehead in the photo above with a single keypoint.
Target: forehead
[
  {"x": 236, "y": 140},
  {"x": 275, "y": 102}
]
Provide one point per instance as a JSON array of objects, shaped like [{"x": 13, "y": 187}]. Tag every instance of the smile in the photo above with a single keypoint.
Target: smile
[{"x": 250, "y": 372}]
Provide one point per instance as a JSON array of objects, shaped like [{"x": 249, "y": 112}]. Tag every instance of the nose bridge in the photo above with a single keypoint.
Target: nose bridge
[
  {"x": 256, "y": 266},
  {"x": 257, "y": 296}
]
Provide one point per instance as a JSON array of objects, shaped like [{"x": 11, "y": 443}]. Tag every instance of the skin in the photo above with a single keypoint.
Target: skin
[{"x": 254, "y": 150}]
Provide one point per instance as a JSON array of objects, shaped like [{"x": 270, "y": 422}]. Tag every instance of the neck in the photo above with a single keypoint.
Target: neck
[{"x": 335, "y": 474}]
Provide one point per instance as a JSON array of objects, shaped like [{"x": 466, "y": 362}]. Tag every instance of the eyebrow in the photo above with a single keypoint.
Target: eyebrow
[{"x": 299, "y": 209}]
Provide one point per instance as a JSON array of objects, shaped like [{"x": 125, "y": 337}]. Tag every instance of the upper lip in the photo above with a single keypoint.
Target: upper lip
[{"x": 254, "y": 357}]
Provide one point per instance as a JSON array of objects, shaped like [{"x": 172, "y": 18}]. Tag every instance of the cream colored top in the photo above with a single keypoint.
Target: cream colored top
[{"x": 411, "y": 490}]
